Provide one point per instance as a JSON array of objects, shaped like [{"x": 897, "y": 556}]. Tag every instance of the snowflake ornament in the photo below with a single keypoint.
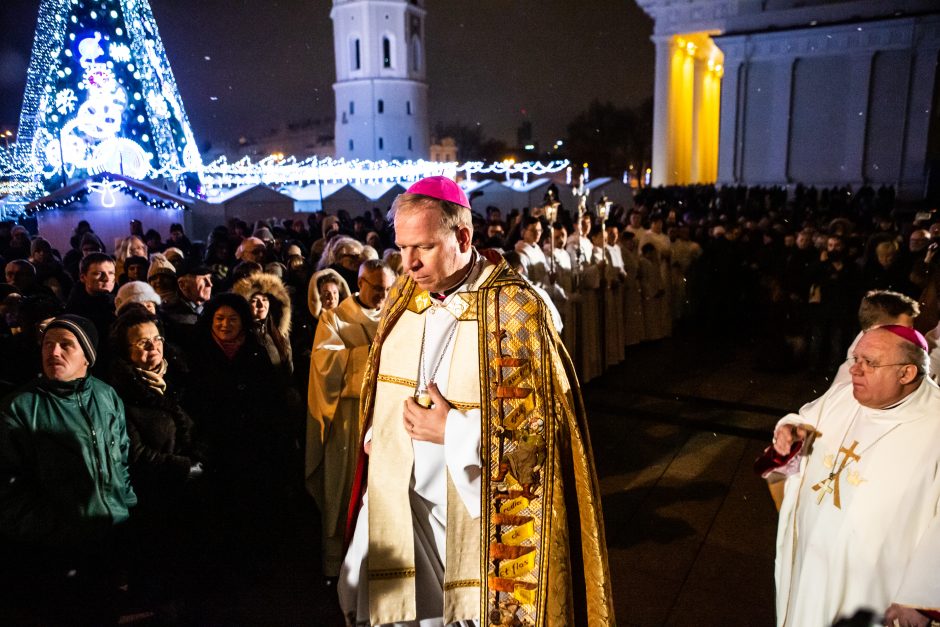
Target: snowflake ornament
[
  {"x": 157, "y": 104},
  {"x": 65, "y": 101},
  {"x": 120, "y": 53}
]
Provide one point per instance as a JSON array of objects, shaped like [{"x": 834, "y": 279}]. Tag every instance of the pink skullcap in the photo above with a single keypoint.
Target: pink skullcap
[
  {"x": 442, "y": 188},
  {"x": 911, "y": 335}
]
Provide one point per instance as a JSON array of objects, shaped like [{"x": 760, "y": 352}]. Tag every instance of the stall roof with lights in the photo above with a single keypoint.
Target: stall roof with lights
[{"x": 107, "y": 184}]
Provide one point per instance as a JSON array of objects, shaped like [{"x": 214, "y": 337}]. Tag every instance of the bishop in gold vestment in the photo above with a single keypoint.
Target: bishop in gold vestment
[{"x": 500, "y": 522}]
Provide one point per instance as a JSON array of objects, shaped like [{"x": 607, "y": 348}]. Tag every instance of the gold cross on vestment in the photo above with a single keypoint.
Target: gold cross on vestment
[{"x": 830, "y": 485}]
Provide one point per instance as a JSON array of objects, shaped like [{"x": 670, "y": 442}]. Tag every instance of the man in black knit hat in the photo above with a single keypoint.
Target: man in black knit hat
[{"x": 65, "y": 490}]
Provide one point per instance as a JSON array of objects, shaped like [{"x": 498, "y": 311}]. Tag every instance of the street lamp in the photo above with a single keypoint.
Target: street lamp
[{"x": 7, "y": 134}]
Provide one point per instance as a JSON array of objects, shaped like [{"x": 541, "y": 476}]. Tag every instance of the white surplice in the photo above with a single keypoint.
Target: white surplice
[
  {"x": 337, "y": 364},
  {"x": 880, "y": 546},
  {"x": 534, "y": 261},
  {"x": 613, "y": 341},
  {"x": 561, "y": 289},
  {"x": 459, "y": 457},
  {"x": 633, "y": 330}
]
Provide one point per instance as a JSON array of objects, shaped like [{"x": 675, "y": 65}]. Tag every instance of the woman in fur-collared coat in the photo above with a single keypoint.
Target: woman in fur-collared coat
[
  {"x": 271, "y": 310},
  {"x": 270, "y": 304}
]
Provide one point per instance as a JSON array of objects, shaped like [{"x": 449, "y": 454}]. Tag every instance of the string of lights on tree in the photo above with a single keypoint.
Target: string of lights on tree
[{"x": 100, "y": 96}]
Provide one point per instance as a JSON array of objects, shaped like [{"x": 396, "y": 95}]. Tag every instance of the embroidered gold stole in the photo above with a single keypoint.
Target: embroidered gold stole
[{"x": 538, "y": 552}]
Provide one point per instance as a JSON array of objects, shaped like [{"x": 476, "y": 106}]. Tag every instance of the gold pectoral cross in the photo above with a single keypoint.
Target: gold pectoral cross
[{"x": 830, "y": 485}]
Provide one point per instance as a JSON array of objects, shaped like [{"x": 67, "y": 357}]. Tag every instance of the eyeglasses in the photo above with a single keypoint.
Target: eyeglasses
[
  {"x": 867, "y": 366},
  {"x": 377, "y": 288},
  {"x": 149, "y": 343}
]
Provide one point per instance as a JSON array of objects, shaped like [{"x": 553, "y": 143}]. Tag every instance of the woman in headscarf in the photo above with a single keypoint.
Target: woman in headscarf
[{"x": 326, "y": 290}]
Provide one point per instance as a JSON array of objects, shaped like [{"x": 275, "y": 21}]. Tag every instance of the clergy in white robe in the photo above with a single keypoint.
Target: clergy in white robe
[
  {"x": 530, "y": 250},
  {"x": 613, "y": 297},
  {"x": 633, "y": 331},
  {"x": 683, "y": 253},
  {"x": 423, "y": 551},
  {"x": 859, "y": 527},
  {"x": 338, "y": 361},
  {"x": 588, "y": 357},
  {"x": 657, "y": 321},
  {"x": 561, "y": 286},
  {"x": 655, "y": 236}
]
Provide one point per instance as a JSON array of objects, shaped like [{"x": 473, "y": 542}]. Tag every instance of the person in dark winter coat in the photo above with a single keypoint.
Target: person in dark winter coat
[
  {"x": 237, "y": 400},
  {"x": 237, "y": 397},
  {"x": 165, "y": 461},
  {"x": 65, "y": 489},
  {"x": 148, "y": 374},
  {"x": 92, "y": 297}
]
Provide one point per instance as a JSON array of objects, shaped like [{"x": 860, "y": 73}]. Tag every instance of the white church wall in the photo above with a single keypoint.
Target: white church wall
[{"x": 834, "y": 105}]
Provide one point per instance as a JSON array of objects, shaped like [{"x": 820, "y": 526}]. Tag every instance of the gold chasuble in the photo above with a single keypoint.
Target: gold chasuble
[{"x": 537, "y": 552}]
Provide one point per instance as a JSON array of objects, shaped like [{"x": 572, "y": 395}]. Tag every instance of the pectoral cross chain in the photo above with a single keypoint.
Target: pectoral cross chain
[{"x": 830, "y": 485}]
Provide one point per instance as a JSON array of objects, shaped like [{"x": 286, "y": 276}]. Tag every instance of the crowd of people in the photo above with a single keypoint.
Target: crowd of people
[{"x": 154, "y": 373}]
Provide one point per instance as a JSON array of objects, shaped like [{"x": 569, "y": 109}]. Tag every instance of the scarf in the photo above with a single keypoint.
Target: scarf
[
  {"x": 230, "y": 347},
  {"x": 154, "y": 378}
]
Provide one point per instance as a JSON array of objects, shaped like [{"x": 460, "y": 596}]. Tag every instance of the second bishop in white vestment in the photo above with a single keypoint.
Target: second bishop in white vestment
[{"x": 859, "y": 526}]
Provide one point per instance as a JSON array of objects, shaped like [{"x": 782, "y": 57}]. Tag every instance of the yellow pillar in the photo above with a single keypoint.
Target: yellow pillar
[{"x": 694, "y": 109}]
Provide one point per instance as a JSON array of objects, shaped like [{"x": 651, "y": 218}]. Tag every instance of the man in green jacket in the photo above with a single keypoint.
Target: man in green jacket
[{"x": 65, "y": 489}]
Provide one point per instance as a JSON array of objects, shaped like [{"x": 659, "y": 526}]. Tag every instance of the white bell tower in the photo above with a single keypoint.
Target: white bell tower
[{"x": 381, "y": 93}]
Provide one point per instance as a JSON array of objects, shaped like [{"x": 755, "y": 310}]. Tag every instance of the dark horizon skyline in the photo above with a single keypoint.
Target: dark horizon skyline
[{"x": 254, "y": 66}]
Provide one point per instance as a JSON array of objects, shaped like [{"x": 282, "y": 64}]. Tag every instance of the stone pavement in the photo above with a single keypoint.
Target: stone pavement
[{"x": 690, "y": 528}]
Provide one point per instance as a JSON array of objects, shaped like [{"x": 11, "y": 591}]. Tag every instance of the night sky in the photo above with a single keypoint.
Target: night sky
[{"x": 250, "y": 65}]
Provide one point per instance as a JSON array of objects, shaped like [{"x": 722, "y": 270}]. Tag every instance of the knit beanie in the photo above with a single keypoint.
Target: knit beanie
[
  {"x": 158, "y": 264},
  {"x": 84, "y": 331},
  {"x": 135, "y": 292}
]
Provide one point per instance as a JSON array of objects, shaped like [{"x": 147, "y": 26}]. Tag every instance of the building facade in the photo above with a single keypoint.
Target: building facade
[
  {"x": 779, "y": 92},
  {"x": 381, "y": 89}
]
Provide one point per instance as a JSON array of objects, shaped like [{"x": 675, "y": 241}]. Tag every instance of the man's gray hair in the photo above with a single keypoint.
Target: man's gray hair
[
  {"x": 913, "y": 354},
  {"x": 452, "y": 214},
  {"x": 370, "y": 265}
]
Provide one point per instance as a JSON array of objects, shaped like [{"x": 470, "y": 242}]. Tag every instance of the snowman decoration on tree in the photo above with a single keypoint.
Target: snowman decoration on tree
[{"x": 89, "y": 140}]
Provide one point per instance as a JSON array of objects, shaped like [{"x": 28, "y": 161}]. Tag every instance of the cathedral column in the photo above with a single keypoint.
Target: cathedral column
[
  {"x": 699, "y": 132},
  {"x": 662, "y": 166},
  {"x": 730, "y": 140},
  {"x": 856, "y": 128}
]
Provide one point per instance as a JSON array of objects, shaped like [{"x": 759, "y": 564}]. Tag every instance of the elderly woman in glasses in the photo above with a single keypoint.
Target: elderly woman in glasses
[
  {"x": 165, "y": 461},
  {"x": 146, "y": 375}
]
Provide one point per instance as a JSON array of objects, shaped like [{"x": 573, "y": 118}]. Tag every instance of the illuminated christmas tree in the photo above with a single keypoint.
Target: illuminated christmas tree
[{"x": 100, "y": 96}]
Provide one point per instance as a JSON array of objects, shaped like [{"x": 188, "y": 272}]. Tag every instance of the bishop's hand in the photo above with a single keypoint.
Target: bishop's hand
[
  {"x": 905, "y": 617},
  {"x": 427, "y": 424},
  {"x": 785, "y": 435}
]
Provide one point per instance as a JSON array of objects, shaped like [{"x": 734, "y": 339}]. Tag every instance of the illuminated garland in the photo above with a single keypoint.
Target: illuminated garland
[
  {"x": 106, "y": 187},
  {"x": 273, "y": 171}
]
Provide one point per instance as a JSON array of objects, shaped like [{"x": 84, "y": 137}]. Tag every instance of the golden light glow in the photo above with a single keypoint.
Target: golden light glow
[{"x": 695, "y": 73}]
